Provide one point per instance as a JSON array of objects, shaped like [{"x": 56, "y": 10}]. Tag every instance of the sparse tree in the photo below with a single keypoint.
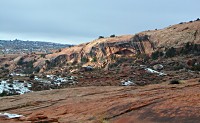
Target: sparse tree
[
  {"x": 171, "y": 52},
  {"x": 112, "y": 36},
  {"x": 101, "y": 37}
]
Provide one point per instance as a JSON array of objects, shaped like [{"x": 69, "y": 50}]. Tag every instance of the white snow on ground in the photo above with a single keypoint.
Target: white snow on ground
[
  {"x": 8, "y": 115},
  {"x": 59, "y": 80},
  {"x": 127, "y": 83},
  {"x": 56, "y": 80},
  {"x": 15, "y": 86},
  {"x": 18, "y": 74},
  {"x": 153, "y": 71}
]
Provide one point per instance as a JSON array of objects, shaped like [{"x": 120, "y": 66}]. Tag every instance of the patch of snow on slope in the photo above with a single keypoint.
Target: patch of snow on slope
[
  {"x": 153, "y": 71},
  {"x": 127, "y": 83},
  {"x": 15, "y": 87},
  {"x": 8, "y": 115}
]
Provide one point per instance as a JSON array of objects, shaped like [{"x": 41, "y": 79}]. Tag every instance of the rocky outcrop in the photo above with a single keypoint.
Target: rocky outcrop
[
  {"x": 102, "y": 49},
  {"x": 99, "y": 53},
  {"x": 129, "y": 45},
  {"x": 176, "y": 35}
]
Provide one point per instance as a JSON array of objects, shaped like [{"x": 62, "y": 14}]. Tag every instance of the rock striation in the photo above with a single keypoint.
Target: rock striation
[{"x": 129, "y": 45}]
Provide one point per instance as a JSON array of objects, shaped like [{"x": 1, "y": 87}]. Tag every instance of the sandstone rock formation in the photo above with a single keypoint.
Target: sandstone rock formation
[
  {"x": 128, "y": 45},
  {"x": 154, "y": 103},
  {"x": 99, "y": 52}
]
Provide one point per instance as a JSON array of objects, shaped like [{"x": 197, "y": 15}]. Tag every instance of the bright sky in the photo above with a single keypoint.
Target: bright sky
[{"x": 78, "y": 21}]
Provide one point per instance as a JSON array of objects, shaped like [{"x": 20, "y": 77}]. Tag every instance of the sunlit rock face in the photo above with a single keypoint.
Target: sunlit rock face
[{"x": 129, "y": 45}]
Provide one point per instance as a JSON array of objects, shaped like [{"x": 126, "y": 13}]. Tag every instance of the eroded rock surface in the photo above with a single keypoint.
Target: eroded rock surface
[
  {"x": 148, "y": 104},
  {"x": 127, "y": 45}
]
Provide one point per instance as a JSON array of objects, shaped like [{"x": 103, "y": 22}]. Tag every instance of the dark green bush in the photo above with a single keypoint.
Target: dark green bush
[
  {"x": 155, "y": 55},
  {"x": 43, "y": 55},
  {"x": 196, "y": 67},
  {"x": 84, "y": 59},
  {"x": 29, "y": 64},
  {"x": 20, "y": 62},
  {"x": 101, "y": 37},
  {"x": 175, "y": 82},
  {"x": 47, "y": 61},
  {"x": 178, "y": 67},
  {"x": 32, "y": 76},
  {"x": 112, "y": 36},
  {"x": 6, "y": 65},
  {"x": 37, "y": 69},
  {"x": 171, "y": 52},
  {"x": 94, "y": 59}
]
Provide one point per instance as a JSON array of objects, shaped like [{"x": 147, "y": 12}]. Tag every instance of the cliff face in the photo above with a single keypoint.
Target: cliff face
[
  {"x": 129, "y": 45},
  {"x": 101, "y": 49}
]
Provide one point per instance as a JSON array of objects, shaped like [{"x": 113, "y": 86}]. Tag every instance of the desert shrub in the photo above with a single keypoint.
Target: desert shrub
[
  {"x": 6, "y": 65},
  {"x": 171, "y": 52},
  {"x": 190, "y": 48},
  {"x": 175, "y": 82},
  {"x": 187, "y": 48},
  {"x": 20, "y": 62},
  {"x": 113, "y": 65},
  {"x": 43, "y": 55},
  {"x": 4, "y": 93},
  {"x": 32, "y": 76},
  {"x": 198, "y": 19},
  {"x": 94, "y": 59},
  {"x": 196, "y": 67},
  {"x": 181, "y": 23},
  {"x": 101, "y": 37},
  {"x": 28, "y": 71},
  {"x": 37, "y": 69},
  {"x": 29, "y": 64},
  {"x": 47, "y": 61},
  {"x": 155, "y": 55},
  {"x": 113, "y": 57},
  {"x": 178, "y": 67},
  {"x": 112, "y": 36},
  {"x": 84, "y": 59}
]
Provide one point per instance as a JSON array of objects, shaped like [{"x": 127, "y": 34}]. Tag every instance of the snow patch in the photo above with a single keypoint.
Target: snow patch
[
  {"x": 8, "y": 115},
  {"x": 14, "y": 87},
  {"x": 127, "y": 83},
  {"x": 154, "y": 71}
]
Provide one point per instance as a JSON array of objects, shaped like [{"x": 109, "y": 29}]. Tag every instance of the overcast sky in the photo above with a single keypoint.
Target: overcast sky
[{"x": 78, "y": 21}]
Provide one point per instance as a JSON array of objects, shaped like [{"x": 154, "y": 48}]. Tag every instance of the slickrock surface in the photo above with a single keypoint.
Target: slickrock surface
[{"x": 147, "y": 104}]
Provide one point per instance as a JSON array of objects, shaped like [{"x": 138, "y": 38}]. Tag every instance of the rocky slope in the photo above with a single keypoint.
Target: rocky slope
[
  {"x": 127, "y": 45},
  {"x": 149, "y": 104},
  {"x": 100, "y": 52},
  {"x": 131, "y": 88}
]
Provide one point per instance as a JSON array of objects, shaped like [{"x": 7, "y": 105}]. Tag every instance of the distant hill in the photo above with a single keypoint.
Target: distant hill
[{"x": 18, "y": 46}]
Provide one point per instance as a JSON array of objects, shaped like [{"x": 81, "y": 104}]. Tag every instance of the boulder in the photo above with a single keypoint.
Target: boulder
[{"x": 158, "y": 67}]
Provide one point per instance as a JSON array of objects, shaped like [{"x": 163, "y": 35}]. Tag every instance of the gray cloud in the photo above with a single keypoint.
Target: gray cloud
[{"x": 76, "y": 21}]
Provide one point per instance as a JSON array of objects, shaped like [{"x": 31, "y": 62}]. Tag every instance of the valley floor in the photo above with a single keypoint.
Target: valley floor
[{"x": 167, "y": 103}]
